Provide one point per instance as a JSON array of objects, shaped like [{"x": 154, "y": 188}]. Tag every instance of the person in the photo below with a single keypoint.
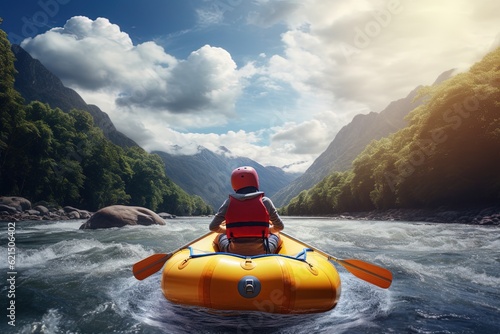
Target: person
[{"x": 243, "y": 220}]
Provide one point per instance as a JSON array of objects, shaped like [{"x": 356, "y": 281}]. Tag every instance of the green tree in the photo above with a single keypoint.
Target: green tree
[{"x": 147, "y": 183}]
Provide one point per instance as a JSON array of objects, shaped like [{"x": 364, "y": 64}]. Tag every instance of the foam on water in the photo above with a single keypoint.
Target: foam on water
[
  {"x": 400, "y": 235},
  {"x": 50, "y": 323},
  {"x": 83, "y": 252},
  {"x": 75, "y": 281}
]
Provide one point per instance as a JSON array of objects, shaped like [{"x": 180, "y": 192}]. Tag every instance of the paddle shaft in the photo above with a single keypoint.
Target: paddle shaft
[
  {"x": 368, "y": 272},
  {"x": 155, "y": 262}
]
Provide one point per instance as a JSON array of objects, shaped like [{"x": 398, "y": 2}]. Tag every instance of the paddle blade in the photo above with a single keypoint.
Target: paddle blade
[
  {"x": 149, "y": 265},
  {"x": 368, "y": 272}
]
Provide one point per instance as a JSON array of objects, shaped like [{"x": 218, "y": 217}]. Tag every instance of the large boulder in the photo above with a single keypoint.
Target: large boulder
[
  {"x": 166, "y": 215},
  {"x": 121, "y": 215},
  {"x": 20, "y": 203},
  {"x": 42, "y": 209},
  {"x": 8, "y": 209}
]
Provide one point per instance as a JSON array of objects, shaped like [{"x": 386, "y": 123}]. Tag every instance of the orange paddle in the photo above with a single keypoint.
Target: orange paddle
[
  {"x": 368, "y": 272},
  {"x": 155, "y": 262}
]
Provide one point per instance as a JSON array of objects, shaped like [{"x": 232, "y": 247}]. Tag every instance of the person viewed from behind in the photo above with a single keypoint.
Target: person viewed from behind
[{"x": 243, "y": 219}]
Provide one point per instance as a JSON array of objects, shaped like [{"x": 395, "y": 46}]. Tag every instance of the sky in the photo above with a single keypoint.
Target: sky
[{"x": 271, "y": 80}]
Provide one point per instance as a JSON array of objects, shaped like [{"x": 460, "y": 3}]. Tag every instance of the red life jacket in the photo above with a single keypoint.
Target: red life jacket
[{"x": 247, "y": 219}]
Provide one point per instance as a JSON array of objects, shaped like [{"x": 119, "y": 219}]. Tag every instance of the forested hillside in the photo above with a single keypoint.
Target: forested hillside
[
  {"x": 36, "y": 83},
  {"x": 448, "y": 155},
  {"x": 47, "y": 154}
]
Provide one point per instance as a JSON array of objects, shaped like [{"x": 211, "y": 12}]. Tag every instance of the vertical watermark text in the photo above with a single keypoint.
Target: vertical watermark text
[{"x": 11, "y": 274}]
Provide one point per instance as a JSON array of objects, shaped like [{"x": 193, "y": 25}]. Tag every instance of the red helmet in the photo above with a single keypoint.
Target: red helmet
[{"x": 243, "y": 177}]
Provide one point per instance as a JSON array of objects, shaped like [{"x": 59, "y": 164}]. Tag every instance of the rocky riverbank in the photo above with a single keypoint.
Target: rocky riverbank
[
  {"x": 14, "y": 209},
  {"x": 19, "y": 209},
  {"x": 477, "y": 216}
]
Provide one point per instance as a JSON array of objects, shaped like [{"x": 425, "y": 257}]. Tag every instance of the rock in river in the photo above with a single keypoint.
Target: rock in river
[{"x": 121, "y": 215}]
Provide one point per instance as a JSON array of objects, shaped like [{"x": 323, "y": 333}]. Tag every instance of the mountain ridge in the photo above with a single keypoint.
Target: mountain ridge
[
  {"x": 207, "y": 174},
  {"x": 36, "y": 83},
  {"x": 352, "y": 139}
]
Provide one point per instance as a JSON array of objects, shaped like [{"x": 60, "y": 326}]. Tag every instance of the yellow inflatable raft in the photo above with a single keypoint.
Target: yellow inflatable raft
[{"x": 297, "y": 280}]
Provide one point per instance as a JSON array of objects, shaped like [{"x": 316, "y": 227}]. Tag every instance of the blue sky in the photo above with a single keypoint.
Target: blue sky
[{"x": 272, "y": 80}]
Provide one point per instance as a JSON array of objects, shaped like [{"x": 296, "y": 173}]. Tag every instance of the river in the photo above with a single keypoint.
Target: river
[{"x": 446, "y": 280}]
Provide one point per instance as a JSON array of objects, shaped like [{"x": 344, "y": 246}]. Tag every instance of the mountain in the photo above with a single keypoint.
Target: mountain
[
  {"x": 36, "y": 83},
  {"x": 207, "y": 174},
  {"x": 446, "y": 159},
  {"x": 351, "y": 140}
]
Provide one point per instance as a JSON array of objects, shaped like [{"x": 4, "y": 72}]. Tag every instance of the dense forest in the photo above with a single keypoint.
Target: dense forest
[
  {"x": 49, "y": 155},
  {"x": 449, "y": 155}
]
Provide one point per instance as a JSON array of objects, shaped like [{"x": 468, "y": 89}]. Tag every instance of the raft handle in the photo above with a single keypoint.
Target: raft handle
[
  {"x": 248, "y": 264},
  {"x": 184, "y": 263},
  {"x": 249, "y": 288}
]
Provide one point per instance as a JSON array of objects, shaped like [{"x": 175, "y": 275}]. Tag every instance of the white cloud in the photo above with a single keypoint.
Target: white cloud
[
  {"x": 84, "y": 53},
  {"x": 96, "y": 56},
  {"x": 307, "y": 137},
  {"x": 206, "y": 81},
  {"x": 373, "y": 52}
]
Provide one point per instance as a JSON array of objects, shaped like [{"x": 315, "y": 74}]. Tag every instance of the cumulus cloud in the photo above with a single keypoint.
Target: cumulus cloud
[
  {"x": 307, "y": 137},
  {"x": 85, "y": 53},
  {"x": 206, "y": 80},
  {"x": 373, "y": 52},
  {"x": 95, "y": 55},
  {"x": 310, "y": 136}
]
